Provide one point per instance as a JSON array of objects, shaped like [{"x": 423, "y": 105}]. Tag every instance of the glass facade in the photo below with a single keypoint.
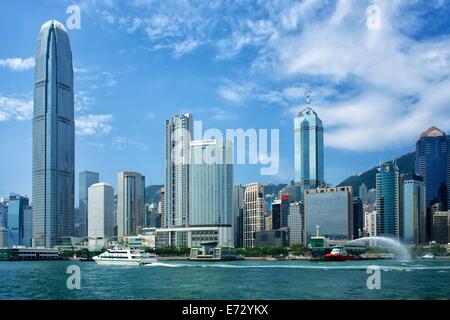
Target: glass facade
[
  {"x": 53, "y": 137},
  {"x": 130, "y": 203},
  {"x": 18, "y": 225},
  {"x": 308, "y": 158},
  {"x": 388, "y": 200},
  {"x": 332, "y": 210},
  {"x": 178, "y": 135},
  {"x": 433, "y": 164},
  {"x": 211, "y": 183},
  {"x": 414, "y": 209},
  {"x": 86, "y": 179}
]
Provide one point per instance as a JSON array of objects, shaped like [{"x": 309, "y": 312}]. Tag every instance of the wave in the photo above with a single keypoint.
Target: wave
[{"x": 312, "y": 267}]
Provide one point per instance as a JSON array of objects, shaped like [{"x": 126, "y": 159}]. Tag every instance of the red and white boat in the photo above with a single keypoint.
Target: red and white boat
[{"x": 339, "y": 254}]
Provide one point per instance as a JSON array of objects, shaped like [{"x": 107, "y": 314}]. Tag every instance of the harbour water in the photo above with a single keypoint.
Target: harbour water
[{"x": 414, "y": 279}]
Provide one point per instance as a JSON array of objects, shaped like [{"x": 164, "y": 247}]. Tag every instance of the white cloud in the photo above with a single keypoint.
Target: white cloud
[
  {"x": 374, "y": 88},
  {"x": 15, "y": 109},
  {"x": 93, "y": 125},
  {"x": 83, "y": 101},
  {"x": 17, "y": 64},
  {"x": 125, "y": 143}
]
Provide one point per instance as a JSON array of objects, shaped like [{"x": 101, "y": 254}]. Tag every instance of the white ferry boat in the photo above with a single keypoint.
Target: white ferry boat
[{"x": 125, "y": 257}]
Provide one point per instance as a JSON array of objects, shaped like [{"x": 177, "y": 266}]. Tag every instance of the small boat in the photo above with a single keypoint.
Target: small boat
[
  {"x": 125, "y": 257},
  {"x": 339, "y": 254},
  {"x": 429, "y": 256}
]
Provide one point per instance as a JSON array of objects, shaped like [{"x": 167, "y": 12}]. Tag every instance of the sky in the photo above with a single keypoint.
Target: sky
[{"x": 377, "y": 78}]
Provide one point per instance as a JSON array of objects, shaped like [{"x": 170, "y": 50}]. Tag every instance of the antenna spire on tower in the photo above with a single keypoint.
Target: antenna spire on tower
[{"x": 308, "y": 97}]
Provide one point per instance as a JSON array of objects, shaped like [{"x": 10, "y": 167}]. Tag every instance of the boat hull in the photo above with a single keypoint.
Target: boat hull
[{"x": 330, "y": 257}]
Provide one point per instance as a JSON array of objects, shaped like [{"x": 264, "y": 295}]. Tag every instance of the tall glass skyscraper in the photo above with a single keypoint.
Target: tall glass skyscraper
[
  {"x": 413, "y": 210},
  {"x": 19, "y": 220},
  {"x": 177, "y": 141},
  {"x": 211, "y": 184},
  {"x": 388, "y": 200},
  {"x": 130, "y": 203},
  {"x": 308, "y": 138},
  {"x": 53, "y": 137},
  {"x": 86, "y": 179},
  {"x": 433, "y": 164}
]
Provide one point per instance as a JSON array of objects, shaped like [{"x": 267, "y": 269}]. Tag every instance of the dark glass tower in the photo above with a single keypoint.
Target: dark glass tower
[
  {"x": 433, "y": 164},
  {"x": 53, "y": 137}
]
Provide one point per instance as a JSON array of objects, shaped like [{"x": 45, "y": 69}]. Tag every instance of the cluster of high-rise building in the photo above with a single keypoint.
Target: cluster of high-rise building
[{"x": 199, "y": 202}]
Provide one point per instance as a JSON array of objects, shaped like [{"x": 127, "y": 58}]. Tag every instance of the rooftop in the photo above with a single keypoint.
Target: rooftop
[{"x": 432, "y": 132}]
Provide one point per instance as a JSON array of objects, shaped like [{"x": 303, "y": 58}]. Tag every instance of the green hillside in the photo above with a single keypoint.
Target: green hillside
[{"x": 406, "y": 164}]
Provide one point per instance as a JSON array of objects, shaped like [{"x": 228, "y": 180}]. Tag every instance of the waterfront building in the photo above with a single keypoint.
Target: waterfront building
[
  {"x": 370, "y": 220},
  {"x": 3, "y": 212},
  {"x": 414, "y": 210},
  {"x": 358, "y": 218},
  {"x": 3, "y": 237},
  {"x": 100, "y": 211},
  {"x": 238, "y": 215},
  {"x": 19, "y": 221},
  {"x": 272, "y": 238},
  {"x": 280, "y": 212},
  {"x": 309, "y": 156},
  {"x": 388, "y": 200},
  {"x": 162, "y": 208},
  {"x": 211, "y": 184},
  {"x": 433, "y": 164},
  {"x": 178, "y": 134},
  {"x": 53, "y": 137},
  {"x": 363, "y": 193},
  {"x": 296, "y": 224},
  {"x": 85, "y": 180},
  {"x": 130, "y": 203},
  {"x": 441, "y": 227},
  {"x": 332, "y": 210},
  {"x": 254, "y": 210}
]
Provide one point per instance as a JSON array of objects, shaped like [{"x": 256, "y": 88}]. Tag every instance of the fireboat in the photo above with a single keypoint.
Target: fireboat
[{"x": 339, "y": 254}]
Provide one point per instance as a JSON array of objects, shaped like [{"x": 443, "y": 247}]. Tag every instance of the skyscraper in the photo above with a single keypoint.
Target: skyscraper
[
  {"x": 413, "y": 210},
  {"x": 254, "y": 210},
  {"x": 101, "y": 211},
  {"x": 238, "y": 215},
  {"x": 332, "y": 210},
  {"x": 433, "y": 164},
  {"x": 162, "y": 207},
  {"x": 178, "y": 135},
  {"x": 53, "y": 137},
  {"x": 388, "y": 200},
  {"x": 19, "y": 221},
  {"x": 86, "y": 179},
  {"x": 211, "y": 186},
  {"x": 130, "y": 203},
  {"x": 308, "y": 138}
]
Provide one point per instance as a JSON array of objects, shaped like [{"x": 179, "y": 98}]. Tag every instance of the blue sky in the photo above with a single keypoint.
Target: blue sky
[{"x": 233, "y": 64}]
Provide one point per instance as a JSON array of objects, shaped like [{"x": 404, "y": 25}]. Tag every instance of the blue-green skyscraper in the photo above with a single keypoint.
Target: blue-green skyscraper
[
  {"x": 388, "y": 200},
  {"x": 309, "y": 160},
  {"x": 53, "y": 137},
  {"x": 86, "y": 179}
]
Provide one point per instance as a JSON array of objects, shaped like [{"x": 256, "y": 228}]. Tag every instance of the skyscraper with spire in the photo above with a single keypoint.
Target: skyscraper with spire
[
  {"x": 53, "y": 137},
  {"x": 309, "y": 159}
]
